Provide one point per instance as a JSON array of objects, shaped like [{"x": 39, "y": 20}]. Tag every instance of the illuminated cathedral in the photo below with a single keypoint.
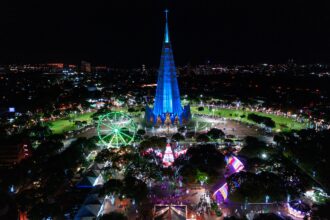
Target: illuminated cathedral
[{"x": 167, "y": 108}]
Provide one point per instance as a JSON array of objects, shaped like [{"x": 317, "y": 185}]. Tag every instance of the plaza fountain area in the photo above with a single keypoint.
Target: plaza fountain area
[{"x": 203, "y": 123}]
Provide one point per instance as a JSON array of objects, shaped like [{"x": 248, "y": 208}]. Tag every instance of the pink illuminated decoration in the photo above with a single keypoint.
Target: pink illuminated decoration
[
  {"x": 180, "y": 152},
  {"x": 157, "y": 152},
  {"x": 168, "y": 157},
  {"x": 221, "y": 194},
  {"x": 235, "y": 163},
  {"x": 26, "y": 151}
]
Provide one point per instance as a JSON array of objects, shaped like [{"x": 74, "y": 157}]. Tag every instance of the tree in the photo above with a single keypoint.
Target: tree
[
  {"x": 261, "y": 120},
  {"x": 113, "y": 186},
  {"x": 215, "y": 133},
  {"x": 254, "y": 147},
  {"x": 39, "y": 131},
  {"x": 256, "y": 186},
  {"x": 100, "y": 112},
  {"x": 177, "y": 137},
  {"x": 143, "y": 169},
  {"x": 182, "y": 129},
  {"x": 145, "y": 145},
  {"x": 114, "y": 216},
  {"x": 141, "y": 132},
  {"x": 90, "y": 144},
  {"x": 201, "y": 177},
  {"x": 321, "y": 211},
  {"x": 56, "y": 137},
  {"x": 205, "y": 158},
  {"x": 78, "y": 123},
  {"x": 267, "y": 216},
  {"x": 8, "y": 207},
  {"x": 131, "y": 110},
  {"x": 103, "y": 156},
  {"x": 47, "y": 149},
  {"x": 279, "y": 139},
  {"x": 43, "y": 209},
  {"x": 135, "y": 188},
  {"x": 215, "y": 208},
  {"x": 130, "y": 187},
  {"x": 310, "y": 148},
  {"x": 152, "y": 142},
  {"x": 202, "y": 138}
]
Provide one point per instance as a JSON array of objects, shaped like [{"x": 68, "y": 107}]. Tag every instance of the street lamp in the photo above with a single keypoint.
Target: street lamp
[{"x": 266, "y": 199}]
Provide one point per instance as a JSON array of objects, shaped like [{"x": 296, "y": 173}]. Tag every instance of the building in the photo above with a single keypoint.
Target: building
[
  {"x": 55, "y": 67},
  {"x": 85, "y": 67},
  {"x": 167, "y": 108},
  {"x": 11, "y": 154}
]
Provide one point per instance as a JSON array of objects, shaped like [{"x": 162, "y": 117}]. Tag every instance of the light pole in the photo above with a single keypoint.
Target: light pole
[{"x": 266, "y": 199}]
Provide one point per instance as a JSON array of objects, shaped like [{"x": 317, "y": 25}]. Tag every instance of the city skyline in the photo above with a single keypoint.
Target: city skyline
[
  {"x": 101, "y": 117},
  {"x": 128, "y": 33}
]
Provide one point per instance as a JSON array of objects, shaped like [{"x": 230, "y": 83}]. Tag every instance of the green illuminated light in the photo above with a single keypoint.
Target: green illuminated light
[{"x": 116, "y": 129}]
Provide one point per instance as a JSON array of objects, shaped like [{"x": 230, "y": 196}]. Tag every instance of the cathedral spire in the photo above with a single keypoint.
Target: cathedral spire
[
  {"x": 167, "y": 36},
  {"x": 167, "y": 107}
]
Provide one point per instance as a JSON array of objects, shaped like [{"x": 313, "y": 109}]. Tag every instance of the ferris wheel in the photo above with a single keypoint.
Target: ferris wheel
[{"x": 116, "y": 129}]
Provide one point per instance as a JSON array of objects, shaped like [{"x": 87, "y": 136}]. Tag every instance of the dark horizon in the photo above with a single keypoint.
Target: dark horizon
[{"x": 129, "y": 33}]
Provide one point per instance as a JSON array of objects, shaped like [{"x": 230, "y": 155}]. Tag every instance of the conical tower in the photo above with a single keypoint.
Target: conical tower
[{"x": 167, "y": 108}]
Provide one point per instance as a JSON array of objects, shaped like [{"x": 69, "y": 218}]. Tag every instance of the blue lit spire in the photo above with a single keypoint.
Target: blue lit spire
[
  {"x": 167, "y": 99},
  {"x": 167, "y": 36}
]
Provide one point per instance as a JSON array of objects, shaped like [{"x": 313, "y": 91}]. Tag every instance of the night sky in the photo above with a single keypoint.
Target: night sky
[{"x": 130, "y": 32}]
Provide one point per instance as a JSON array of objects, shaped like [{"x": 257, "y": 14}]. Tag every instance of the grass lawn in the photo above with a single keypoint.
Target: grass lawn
[
  {"x": 281, "y": 123},
  {"x": 63, "y": 125}
]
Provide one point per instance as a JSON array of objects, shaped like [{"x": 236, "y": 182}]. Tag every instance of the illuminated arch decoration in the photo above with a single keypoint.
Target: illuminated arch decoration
[
  {"x": 221, "y": 194},
  {"x": 298, "y": 209},
  {"x": 116, "y": 129},
  {"x": 234, "y": 165}
]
